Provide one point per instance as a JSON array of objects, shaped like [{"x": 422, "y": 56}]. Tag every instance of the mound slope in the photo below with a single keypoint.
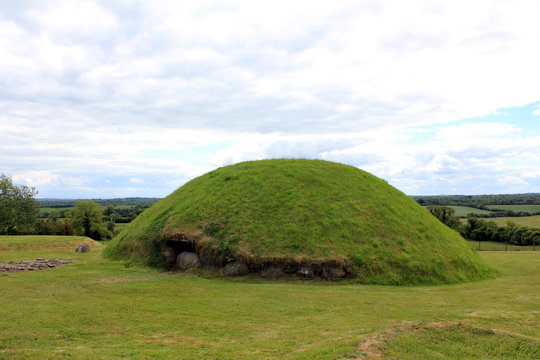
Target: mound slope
[{"x": 308, "y": 217}]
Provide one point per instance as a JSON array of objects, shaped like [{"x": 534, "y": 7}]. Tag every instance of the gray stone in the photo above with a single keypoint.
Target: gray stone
[
  {"x": 187, "y": 260},
  {"x": 82, "y": 248},
  {"x": 333, "y": 272},
  {"x": 236, "y": 269},
  {"x": 305, "y": 272},
  {"x": 272, "y": 273}
]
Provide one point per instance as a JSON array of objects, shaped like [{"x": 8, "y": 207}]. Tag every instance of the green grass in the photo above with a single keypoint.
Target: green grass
[
  {"x": 96, "y": 308},
  {"x": 463, "y": 211},
  {"x": 516, "y": 208},
  {"x": 120, "y": 226},
  {"x": 447, "y": 340},
  {"x": 528, "y": 221},
  {"x": 49, "y": 209},
  {"x": 307, "y": 211},
  {"x": 497, "y": 246},
  {"x": 41, "y": 242}
]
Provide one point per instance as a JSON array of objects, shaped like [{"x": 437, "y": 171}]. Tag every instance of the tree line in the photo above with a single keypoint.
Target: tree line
[
  {"x": 19, "y": 214},
  {"x": 116, "y": 215},
  {"x": 480, "y": 230},
  {"x": 482, "y": 202},
  {"x": 478, "y": 201}
]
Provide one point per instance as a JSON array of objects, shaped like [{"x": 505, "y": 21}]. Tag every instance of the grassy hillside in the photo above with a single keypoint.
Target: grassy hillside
[
  {"x": 95, "y": 308},
  {"x": 304, "y": 211}
]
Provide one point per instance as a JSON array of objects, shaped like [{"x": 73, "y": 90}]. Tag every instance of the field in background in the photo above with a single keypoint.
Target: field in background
[
  {"x": 97, "y": 308},
  {"x": 463, "y": 211},
  {"x": 516, "y": 208},
  {"x": 529, "y": 221},
  {"x": 45, "y": 210}
]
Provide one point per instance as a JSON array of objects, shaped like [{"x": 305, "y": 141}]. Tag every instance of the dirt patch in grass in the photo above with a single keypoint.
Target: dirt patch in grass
[{"x": 421, "y": 340}]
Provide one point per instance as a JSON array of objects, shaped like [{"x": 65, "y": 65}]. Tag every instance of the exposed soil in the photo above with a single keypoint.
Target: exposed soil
[
  {"x": 32, "y": 265},
  {"x": 373, "y": 347}
]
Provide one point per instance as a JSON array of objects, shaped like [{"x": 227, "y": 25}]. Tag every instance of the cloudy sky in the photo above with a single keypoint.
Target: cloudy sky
[{"x": 102, "y": 99}]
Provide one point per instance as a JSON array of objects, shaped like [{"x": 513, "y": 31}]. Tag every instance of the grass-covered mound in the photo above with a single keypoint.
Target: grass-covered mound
[{"x": 293, "y": 215}]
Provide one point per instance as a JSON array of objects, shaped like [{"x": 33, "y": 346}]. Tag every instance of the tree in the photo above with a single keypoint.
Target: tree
[
  {"x": 110, "y": 214},
  {"x": 54, "y": 215},
  {"x": 87, "y": 219},
  {"x": 445, "y": 215},
  {"x": 18, "y": 208}
]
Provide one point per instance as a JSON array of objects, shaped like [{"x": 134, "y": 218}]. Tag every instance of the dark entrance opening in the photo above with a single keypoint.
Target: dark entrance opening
[{"x": 175, "y": 247}]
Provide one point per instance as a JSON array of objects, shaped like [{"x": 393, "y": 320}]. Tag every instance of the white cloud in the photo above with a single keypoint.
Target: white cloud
[
  {"x": 36, "y": 178},
  {"x": 475, "y": 131},
  {"x": 511, "y": 180},
  {"x": 161, "y": 90}
]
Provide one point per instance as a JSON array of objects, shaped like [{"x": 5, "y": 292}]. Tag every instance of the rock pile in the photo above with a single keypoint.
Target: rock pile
[{"x": 32, "y": 265}]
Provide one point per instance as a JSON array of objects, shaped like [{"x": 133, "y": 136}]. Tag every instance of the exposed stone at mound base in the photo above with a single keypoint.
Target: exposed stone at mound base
[
  {"x": 187, "y": 260},
  {"x": 333, "y": 273},
  {"x": 235, "y": 269},
  {"x": 82, "y": 248},
  {"x": 305, "y": 273},
  {"x": 32, "y": 265},
  {"x": 273, "y": 273}
]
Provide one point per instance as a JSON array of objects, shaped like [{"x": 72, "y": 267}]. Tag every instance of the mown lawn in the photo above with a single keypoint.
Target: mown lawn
[{"x": 96, "y": 308}]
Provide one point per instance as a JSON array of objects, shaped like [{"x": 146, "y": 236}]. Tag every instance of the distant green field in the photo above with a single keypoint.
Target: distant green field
[
  {"x": 96, "y": 308},
  {"x": 463, "y": 211},
  {"x": 529, "y": 221},
  {"x": 49, "y": 209},
  {"x": 516, "y": 208}
]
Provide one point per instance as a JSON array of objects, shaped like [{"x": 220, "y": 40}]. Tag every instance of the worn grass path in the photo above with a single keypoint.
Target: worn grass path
[{"x": 99, "y": 309}]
